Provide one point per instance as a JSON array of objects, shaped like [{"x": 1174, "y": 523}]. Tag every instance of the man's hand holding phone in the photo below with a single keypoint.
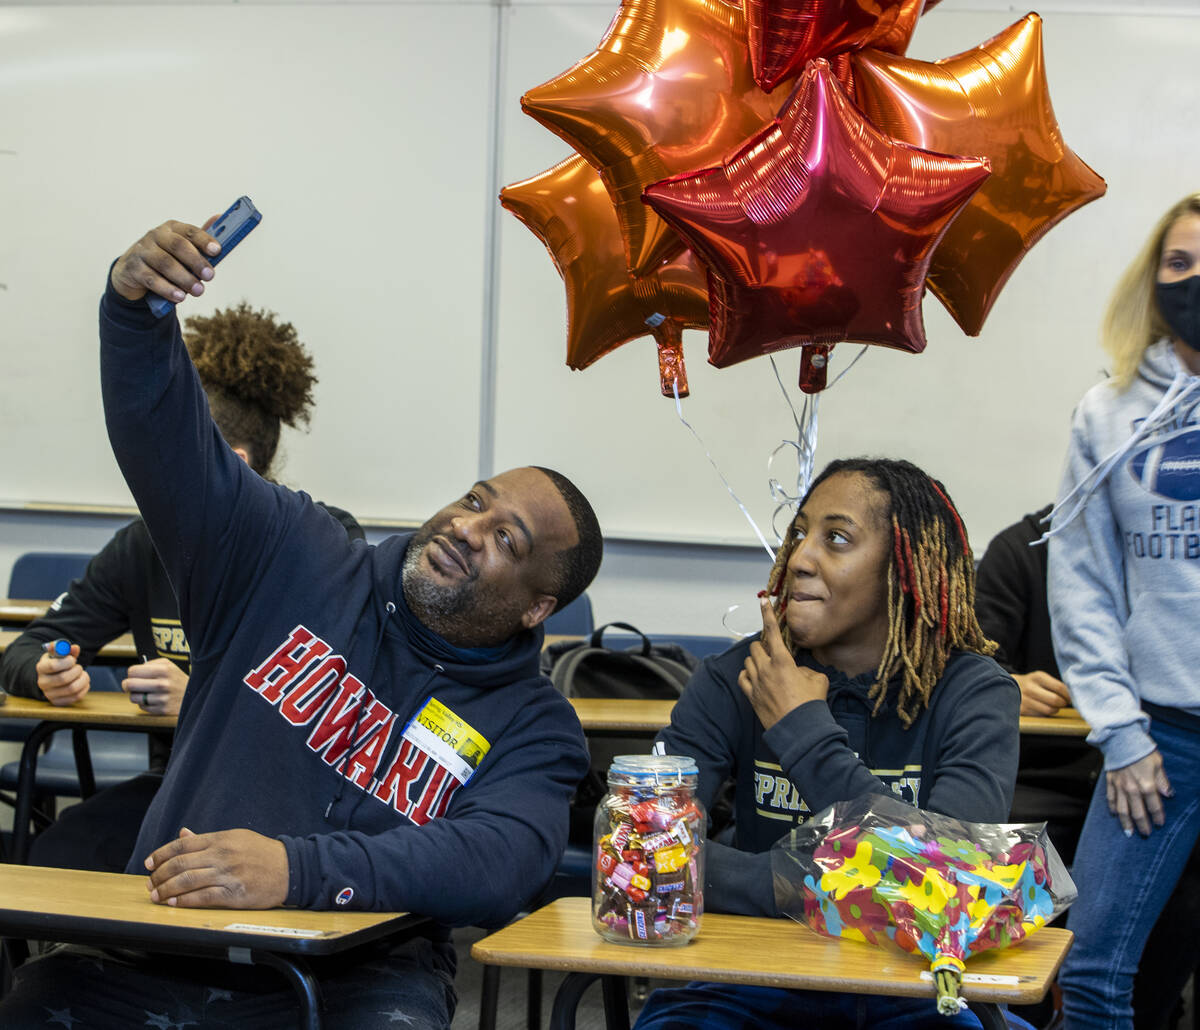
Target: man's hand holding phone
[
  {"x": 170, "y": 261},
  {"x": 176, "y": 259}
]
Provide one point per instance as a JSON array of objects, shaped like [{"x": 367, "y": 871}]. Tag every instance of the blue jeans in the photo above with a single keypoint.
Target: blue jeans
[
  {"x": 84, "y": 988},
  {"x": 715, "y": 1006},
  {"x": 1124, "y": 882}
]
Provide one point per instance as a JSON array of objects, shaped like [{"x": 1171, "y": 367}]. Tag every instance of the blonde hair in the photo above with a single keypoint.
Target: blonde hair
[{"x": 1132, "y": 322}]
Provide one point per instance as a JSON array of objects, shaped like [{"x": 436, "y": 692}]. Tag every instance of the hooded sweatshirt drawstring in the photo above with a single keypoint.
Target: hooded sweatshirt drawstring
[
  {"x": 1168, "y": 407},
  {"x": 389, "y": 610}
]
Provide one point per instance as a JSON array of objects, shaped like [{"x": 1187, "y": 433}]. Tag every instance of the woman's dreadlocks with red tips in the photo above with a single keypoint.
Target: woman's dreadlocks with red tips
[{"x": 930, "y": 581}]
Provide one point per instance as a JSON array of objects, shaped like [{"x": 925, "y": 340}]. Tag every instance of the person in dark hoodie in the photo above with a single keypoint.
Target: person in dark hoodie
[
  {"x": 870, "y": 675},
  {"x": 258, "y": 377},
  {"x": 1056, "y": 774},
  {"x": 340, "y": 693}
]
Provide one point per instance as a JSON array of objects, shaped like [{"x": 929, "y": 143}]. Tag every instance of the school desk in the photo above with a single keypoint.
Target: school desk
[
  {"x": 96, "y": 710},
  {"x": 767, "y": 952},
  {"x": 114, "y": 910},
  {"x": 16, "y": 612},
  {"x": 603, "y": 715},
  {"x": 1066, "y": 722},
  {"x": 121, "y": 651}
]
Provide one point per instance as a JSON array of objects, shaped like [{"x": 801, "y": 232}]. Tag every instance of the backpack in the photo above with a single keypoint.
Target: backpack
[
  {"x": 586, "y": 668},
  {"x": 589, "y": 669}
]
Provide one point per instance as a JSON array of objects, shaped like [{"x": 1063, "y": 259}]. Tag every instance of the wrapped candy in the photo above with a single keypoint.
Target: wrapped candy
[
  {"x": 875, "y": 869},
  {"x": 647, "y": 870}
]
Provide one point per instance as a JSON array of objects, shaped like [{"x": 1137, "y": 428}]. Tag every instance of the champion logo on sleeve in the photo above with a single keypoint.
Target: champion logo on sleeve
[{"x": 344, "y": 896}]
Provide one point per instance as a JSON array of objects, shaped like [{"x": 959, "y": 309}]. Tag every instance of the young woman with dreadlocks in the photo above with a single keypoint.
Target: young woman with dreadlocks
[
  {"x": 870, "y": 675},
  {"x": 258, "y": 377}
]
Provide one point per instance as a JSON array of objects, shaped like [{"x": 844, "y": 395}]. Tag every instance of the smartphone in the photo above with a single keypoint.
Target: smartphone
[{"x": 229, "y": 230}]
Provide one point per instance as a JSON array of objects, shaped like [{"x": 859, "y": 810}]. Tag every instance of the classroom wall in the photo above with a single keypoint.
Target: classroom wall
[
  {"x": 668, "y": 588},
  {"x": 378, "y": 137}
]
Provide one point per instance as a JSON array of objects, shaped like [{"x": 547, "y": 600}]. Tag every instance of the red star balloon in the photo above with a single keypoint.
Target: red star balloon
[
  {"x": 818, "y": 229},
  {"x": 784, "y": 35},
  {"x": 567, "y": 208},
  {"x": 669, "y": 89},
  {"x": 992, "y": 101}
]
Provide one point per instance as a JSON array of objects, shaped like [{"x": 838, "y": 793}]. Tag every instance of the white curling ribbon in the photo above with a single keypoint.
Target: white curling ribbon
[
  {"x": 708, "y": 454},
  {"x": 1177, "y": 393}
]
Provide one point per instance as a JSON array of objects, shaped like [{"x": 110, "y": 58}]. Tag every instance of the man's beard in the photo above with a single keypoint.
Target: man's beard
[{"x": 461, "y": 613}]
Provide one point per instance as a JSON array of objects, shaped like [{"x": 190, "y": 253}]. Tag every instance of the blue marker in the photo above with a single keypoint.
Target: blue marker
[{"x": 61, "y": 648}]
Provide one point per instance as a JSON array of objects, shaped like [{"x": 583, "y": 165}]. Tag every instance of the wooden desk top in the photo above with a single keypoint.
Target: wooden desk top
[
  {"x": 115, "y": 909},
  {"x": 558, "y": 638},
  {"x": 1066, "y": 722},
  {"x": 766, "y": 952},
  {"x": 14, "y": 610},
  {"x": 121, "y": 650},
  {"x": 97, "y": 708},
  {"x": 606, "y": 715}
]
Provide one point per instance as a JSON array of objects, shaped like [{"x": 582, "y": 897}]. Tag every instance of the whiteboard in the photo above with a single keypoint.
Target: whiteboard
[
  {"x": 988, "y": 415},
  {"x": 375, "y": 136},
  {"x": 362, "y": 134}
]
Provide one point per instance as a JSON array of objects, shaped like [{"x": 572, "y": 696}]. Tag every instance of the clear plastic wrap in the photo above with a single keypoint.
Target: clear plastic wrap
[{"x": 875, "y": 869}]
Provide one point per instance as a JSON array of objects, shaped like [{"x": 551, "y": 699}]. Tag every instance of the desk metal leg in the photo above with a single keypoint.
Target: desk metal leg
[
  {"x": 26, "y": 788},
  {"x": 989, "y": 1015},
  {"x": 83, "y": 763},
  {"x": 302, "y": 981},
  {"x": 533, "y": 1000},
  {"x": 489, "y": 998},
  {"x": 616, "y": 1003},
  {"x": 570, "y": 992}
]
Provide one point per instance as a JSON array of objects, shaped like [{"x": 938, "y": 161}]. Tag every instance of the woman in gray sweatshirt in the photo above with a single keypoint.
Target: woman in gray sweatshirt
[{"x": 1124, "y": 580}]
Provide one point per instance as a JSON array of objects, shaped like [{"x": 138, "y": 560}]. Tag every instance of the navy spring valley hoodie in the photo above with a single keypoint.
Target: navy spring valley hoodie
[{"x": 959, "y": 757}]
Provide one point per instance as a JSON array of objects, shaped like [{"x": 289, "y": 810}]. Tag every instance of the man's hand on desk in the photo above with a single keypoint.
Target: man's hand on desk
[
  {"x": 1041, "y": 693},
  {"x": 62, "y": 680},
  {"x": 226, "y": 869},
  {"x": 156, "y": 686}
]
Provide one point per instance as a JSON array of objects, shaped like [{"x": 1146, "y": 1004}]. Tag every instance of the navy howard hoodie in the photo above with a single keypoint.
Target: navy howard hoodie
[{"x": 396, "y": 780}]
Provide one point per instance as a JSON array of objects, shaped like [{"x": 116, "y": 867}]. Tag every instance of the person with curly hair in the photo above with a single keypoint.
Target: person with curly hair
[
  {"x": 258, "y": 377},
  {"x": 870, "y": 675}
]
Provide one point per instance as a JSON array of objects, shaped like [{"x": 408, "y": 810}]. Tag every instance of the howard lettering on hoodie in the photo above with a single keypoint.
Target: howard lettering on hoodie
[{"x": 352, "y": 730}]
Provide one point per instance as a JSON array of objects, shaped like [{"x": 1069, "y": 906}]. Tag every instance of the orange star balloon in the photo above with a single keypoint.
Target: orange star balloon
[
  {"x": 784, "y": 35},
  {"x": 669, "y": 89},
  {"x": 992, "y": 101},
  {"x": 567, "y": 208},
  {"x": 818, "y": 229}
]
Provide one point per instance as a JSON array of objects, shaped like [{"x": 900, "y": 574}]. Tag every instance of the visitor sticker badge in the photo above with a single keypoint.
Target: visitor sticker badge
[{"x": 454, "y": 744}]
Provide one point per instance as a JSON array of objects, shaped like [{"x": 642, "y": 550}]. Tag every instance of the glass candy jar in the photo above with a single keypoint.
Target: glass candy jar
[{"x": 648, "y": 852}]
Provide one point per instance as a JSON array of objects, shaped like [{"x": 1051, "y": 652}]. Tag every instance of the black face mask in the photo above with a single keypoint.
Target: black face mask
[{"x": 1179, "y": 305}]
